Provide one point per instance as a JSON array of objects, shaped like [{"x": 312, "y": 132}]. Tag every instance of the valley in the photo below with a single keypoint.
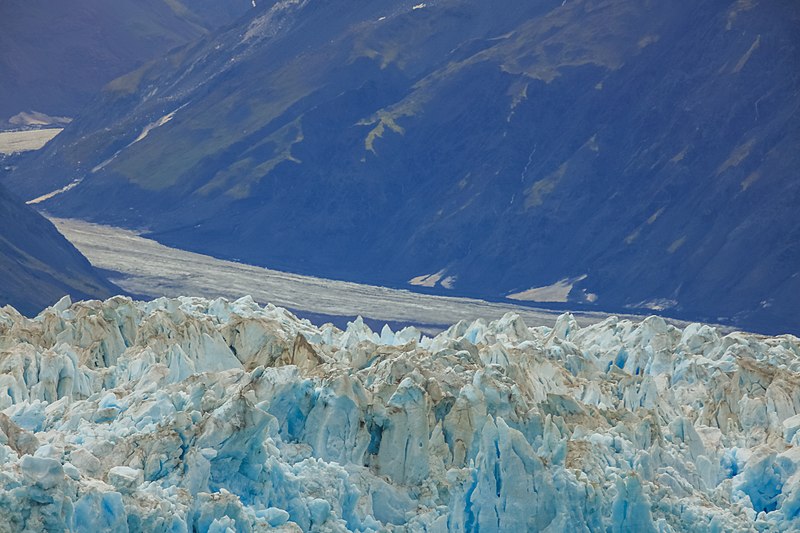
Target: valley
[
  {"x": 597, "y": 155},
  {"x": 144, "y": 267}
]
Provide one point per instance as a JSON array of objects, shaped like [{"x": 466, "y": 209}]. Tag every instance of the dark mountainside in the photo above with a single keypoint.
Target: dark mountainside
[
  {"x": 55, "y": 55},
  {"x": 38, "y": 264},
  {"x": 651, "y": 147}
]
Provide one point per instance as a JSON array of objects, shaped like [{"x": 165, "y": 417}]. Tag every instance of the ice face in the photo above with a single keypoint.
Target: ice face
[{"x": 195, "y": 415}]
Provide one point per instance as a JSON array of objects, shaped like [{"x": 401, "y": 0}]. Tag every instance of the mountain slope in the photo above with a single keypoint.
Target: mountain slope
[
  {"x": 55, "y": 55},
  {"x": 39, "y": 265},
  {"x": 625, "y": 154}
]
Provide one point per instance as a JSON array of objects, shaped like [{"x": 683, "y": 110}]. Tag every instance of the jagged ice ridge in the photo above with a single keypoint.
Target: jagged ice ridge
[{"x": 207, "y": 415}]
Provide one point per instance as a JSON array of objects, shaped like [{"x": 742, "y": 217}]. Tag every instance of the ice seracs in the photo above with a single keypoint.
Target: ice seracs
[{"x": 207, "y": 415}]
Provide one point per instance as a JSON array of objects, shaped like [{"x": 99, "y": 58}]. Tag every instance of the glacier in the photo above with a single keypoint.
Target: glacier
[{"x": 191, "y": 414}]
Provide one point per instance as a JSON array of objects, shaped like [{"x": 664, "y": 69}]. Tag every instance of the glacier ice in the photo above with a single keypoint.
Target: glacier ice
[{"x": 207, "y": 415}]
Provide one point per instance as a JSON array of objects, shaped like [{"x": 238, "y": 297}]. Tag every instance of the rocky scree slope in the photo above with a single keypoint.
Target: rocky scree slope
[
  {"x": 643, "y": 154},
  {"x": 190, "y": 414}
]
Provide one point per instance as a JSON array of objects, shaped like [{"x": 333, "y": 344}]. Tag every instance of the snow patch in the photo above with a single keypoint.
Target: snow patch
[
  {"x": 153, "y": 125},
  {"x": 71, "y": 185},
  {"x": 430, "y": 280},
  {"x": 427, "y": 280},
  {"x": 557, "y": 292}
]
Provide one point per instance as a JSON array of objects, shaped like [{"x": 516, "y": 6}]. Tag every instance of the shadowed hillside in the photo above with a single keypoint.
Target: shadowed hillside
[
  {"x": 626, "y": 154},
  {"x": 38, "y": 264}
]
